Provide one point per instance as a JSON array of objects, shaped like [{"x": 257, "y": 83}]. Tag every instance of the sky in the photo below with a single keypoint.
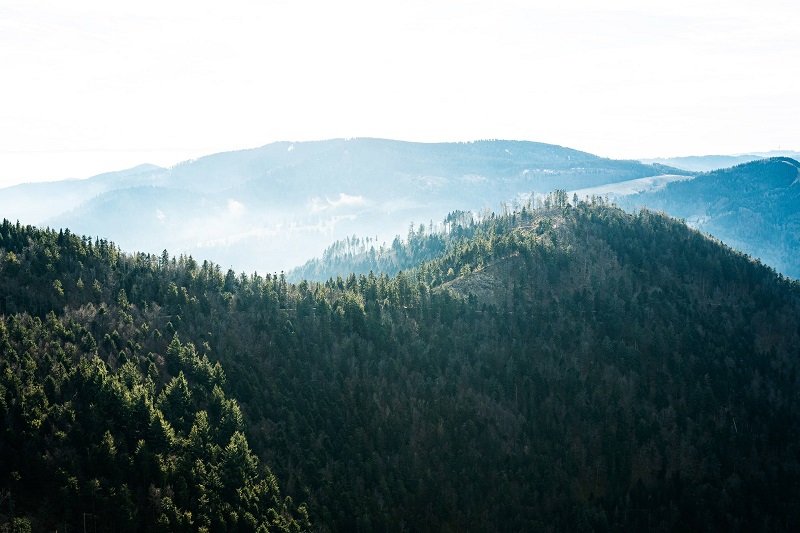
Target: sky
[{"x": 94, "y": 86}]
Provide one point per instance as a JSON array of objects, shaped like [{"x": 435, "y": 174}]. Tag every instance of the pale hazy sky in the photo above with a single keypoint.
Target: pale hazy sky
[{"x": 91, "y": 86}]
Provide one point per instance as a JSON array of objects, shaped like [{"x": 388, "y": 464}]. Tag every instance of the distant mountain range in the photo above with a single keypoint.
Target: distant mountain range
[
  {"x": 270, "y": 208},
  {"x": 706, "y": 163}
]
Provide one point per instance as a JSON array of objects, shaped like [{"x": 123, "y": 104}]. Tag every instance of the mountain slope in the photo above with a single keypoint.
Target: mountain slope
[
  {"x": 142, "y": 438},
  {"x": 581, "y": 385},
  {"x": 34, "y": 203},
  {"x": 754, "y": 207},
  {"x": 559, "y": 368}
]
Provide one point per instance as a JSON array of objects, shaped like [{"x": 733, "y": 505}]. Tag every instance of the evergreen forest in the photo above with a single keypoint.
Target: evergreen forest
[{"x": 565, "y": 367}]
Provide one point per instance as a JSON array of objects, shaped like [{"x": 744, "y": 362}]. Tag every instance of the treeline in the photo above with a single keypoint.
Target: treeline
[
  {"x": 560, "y": 368},
  {"x": 359, "y": 256},
  {"x": 356, "y": 255}
]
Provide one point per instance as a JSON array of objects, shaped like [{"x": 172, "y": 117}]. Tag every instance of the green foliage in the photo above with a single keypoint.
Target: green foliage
[
  {"x": 564, "y": 367},
  {"x": 107, "y": 436}
]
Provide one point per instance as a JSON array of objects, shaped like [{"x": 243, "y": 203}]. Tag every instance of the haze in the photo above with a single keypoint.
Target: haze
[{"x": 90, "y": 87}]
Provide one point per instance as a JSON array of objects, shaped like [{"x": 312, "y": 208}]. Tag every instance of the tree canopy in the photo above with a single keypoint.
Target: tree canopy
[{"x": 560, "y": 367}]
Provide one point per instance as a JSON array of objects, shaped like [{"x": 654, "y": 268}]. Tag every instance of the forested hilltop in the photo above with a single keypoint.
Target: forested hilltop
[
  {"x": 561, "y": 368},
  {"x": 752, "y": 207}
]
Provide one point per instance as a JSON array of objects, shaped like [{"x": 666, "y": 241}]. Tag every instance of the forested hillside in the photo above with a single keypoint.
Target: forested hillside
[
  {"x": 753, "y": 207},
  {"x": 562, "y": 368},
  {"x": 143, "y": 437},
  {"x": 356, "y": 255}
]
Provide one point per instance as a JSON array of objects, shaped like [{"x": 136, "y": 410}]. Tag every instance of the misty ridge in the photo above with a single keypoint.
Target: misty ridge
[{"x": 273, "y": 208}]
